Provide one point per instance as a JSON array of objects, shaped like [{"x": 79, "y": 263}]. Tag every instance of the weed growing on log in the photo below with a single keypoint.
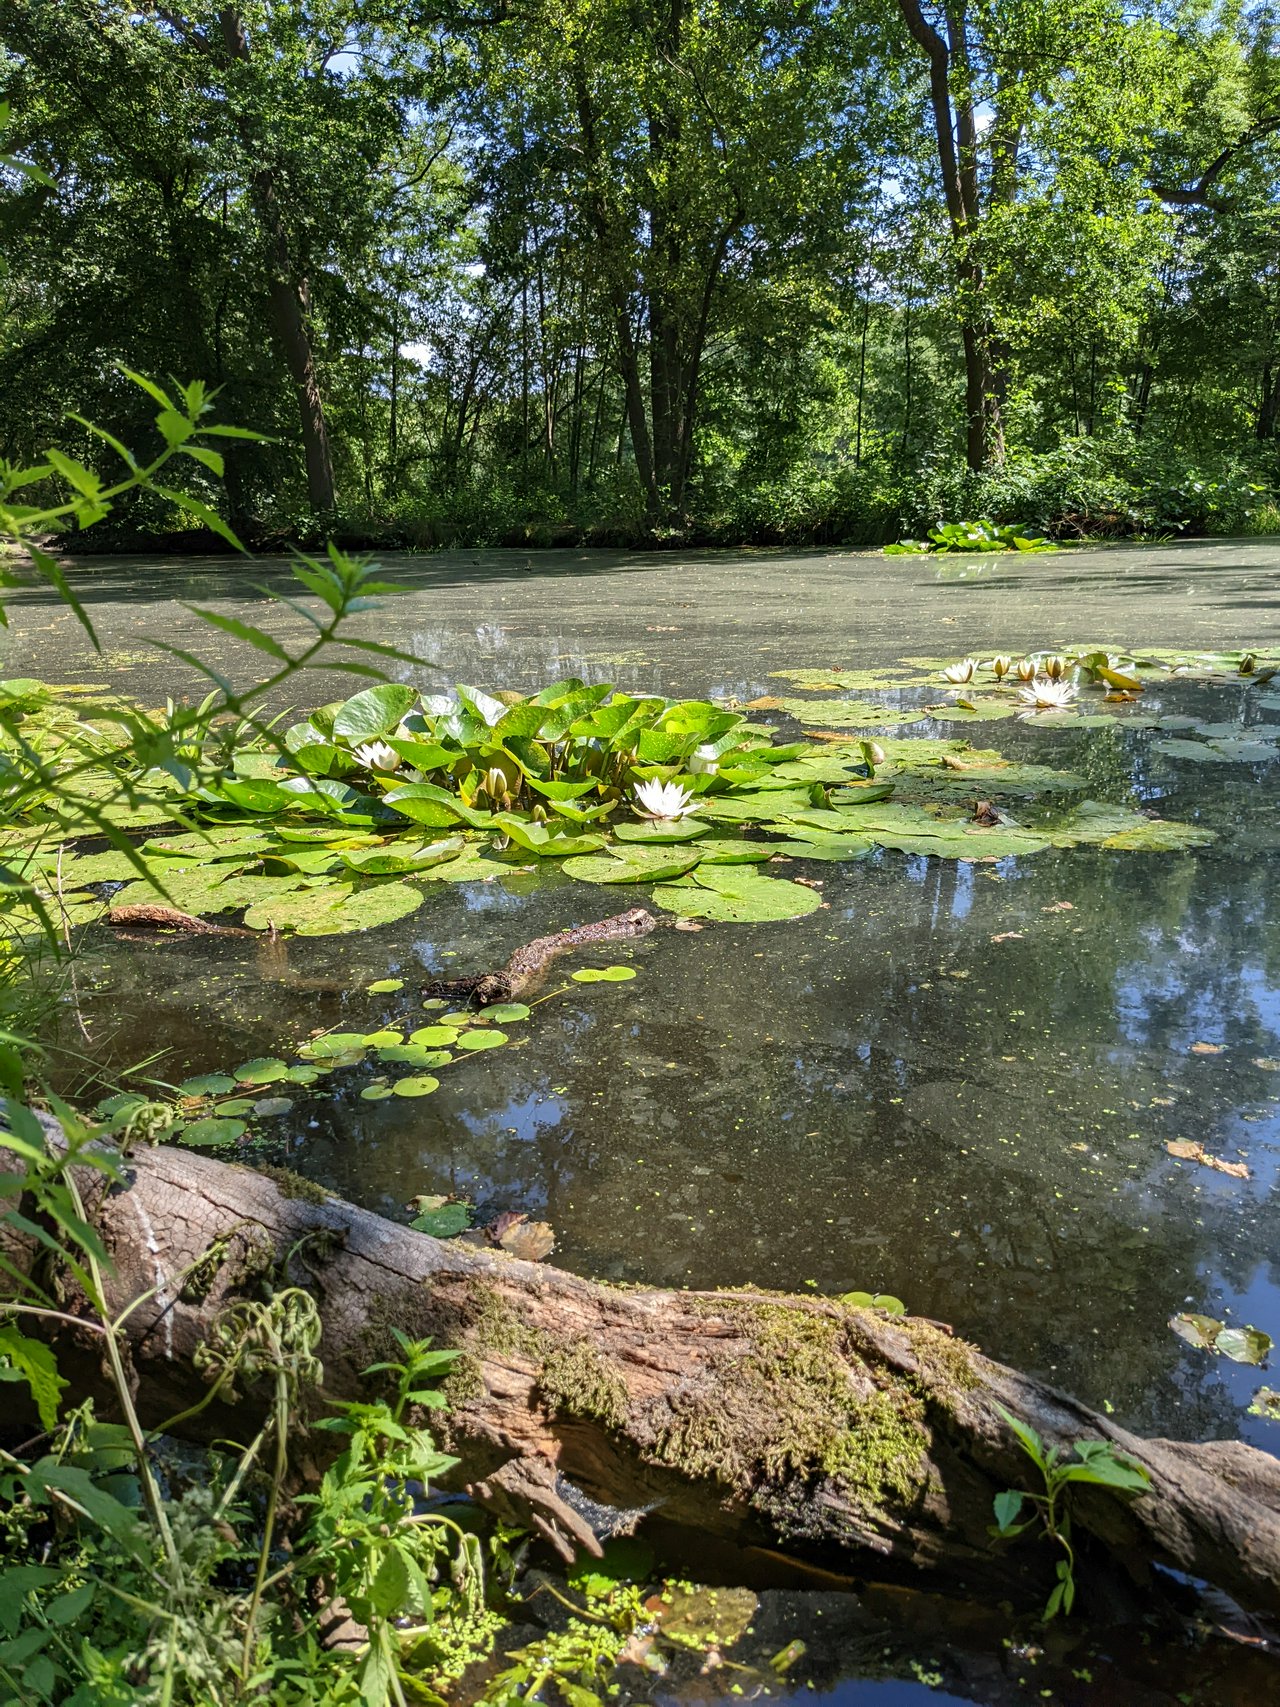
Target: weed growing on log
[{"x": 1100, "y": 1463}]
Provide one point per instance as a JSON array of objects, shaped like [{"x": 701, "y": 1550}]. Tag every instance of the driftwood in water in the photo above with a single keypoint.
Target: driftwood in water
[
  {"x": 527, "y": 964},
  {"x": 833, "y": 1435}
]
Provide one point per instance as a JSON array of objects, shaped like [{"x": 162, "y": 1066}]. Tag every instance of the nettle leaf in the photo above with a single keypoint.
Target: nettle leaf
[{"x": 31, "y": 1361}]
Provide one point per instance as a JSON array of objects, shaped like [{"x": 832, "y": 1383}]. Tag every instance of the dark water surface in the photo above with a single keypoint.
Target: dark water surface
[{"x": 954, "y": 1082}]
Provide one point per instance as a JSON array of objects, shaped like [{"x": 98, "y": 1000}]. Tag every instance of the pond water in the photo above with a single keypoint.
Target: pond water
[{"x": 953, "y": 1082}]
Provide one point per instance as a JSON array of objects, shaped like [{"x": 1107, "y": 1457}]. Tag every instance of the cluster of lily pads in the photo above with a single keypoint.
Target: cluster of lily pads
[
  {"x": 981, "y": 535},
  {"x": 1081, "y": 686},
  {"x": 345, "y": 820},
  {"x": 216, "y": 1109}
]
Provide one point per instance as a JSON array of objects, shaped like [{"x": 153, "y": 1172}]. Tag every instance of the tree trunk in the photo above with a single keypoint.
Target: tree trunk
[
  {"x": 290, "y": 300},
  {"x": 800, "y": 1425}
]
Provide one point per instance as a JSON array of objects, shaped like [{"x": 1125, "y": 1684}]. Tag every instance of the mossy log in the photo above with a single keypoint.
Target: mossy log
[{"x": 799, "y": 1428}]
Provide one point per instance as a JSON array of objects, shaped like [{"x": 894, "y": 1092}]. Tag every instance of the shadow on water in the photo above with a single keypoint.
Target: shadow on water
[{"x": 954, "y": 1082}]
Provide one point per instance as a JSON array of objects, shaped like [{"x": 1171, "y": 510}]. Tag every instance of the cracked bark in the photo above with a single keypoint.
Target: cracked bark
[{"x": 653, "y": 1360}]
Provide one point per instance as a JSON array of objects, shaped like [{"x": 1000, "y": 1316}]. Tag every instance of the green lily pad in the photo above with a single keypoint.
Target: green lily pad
[
  {"x": 336, "y": 908},
  {"x": 420, "y": 1085},
  {"x": 414, "y": 1055},
  {"x": 668, "y": 830},
  {"x": 207, "y": 1085},
  {"x": 384, "y": 986},
  {"x": 819, "y": 846},
  {"x": 304, "y": 1075},
  {"x": 268, "y": 1107},
  {"x": 473, "y": 1041},
  {"x": 331, "y": 1044},
  {"x": 443, "y": 1222},
  {"x": 506, "y": 1013},
  {"x": 376, "y": 1093},
  {"x": 633, "y": 865},
  {"x": 435, "y": 1036},
  {"x": 849, "y": 714},
  {"x": 378, "y": 1039},
  {"x": 603, "y": 974},
  {"x": 734, "y": 850},
  {"x": 265, "y": 1070},
  {"x": 746, "y": 898},
  {"x": 211, "y": 1133}
]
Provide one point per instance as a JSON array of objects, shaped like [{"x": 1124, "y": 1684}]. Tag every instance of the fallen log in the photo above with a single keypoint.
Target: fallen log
[{"x": 798, "y": 1427}]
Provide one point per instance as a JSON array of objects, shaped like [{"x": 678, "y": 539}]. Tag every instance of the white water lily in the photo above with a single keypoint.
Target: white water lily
[
  {"x": 664, "y": 802},
  {"x": 1047, "y": 695},
  {"x": 704, "y": 760},
  {"x": 377, "y": 756},
  {"x": 961, "y": 673}
]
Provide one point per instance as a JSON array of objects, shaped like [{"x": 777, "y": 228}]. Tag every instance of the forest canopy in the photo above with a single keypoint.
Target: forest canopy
[{"x": 653, "y": 270}]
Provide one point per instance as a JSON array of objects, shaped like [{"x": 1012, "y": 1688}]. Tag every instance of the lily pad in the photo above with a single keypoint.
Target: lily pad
[
  {"x": 207, "y": 1085},
  {"x": 420, "y": 1085},
  {"x": 474, "y": 1041},
  {"x": 336, "y": 908},
  {"x": 444, "y": 1220},
  {"x": 211, "y": 1133},
  {"x": 266, "y": 1070},
  {"x": 603, "y": 974},
  {"x": 269, "y": 1107},
  {"x": 506, "y": 1013},
  {"x": 414, "y": 1055},
  {"x": 376, "y": 1093},
  {"x": 435, "y": 1036},
  {"x": 668, "y": 830},
  {"x": 384, "y": 986},
  {"x": 737, "y": 895},
  {"x": 331, "y": 1044},
  {"x": 633, "y": 865}
]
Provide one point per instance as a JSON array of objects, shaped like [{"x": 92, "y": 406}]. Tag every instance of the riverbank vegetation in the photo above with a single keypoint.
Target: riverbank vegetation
[{"x": 607, "y": 274}]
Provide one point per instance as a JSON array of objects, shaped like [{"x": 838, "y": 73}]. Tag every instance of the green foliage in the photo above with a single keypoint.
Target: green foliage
[
  {"x": 973, "y": 536},
  {"x": 1100, "y": 1464}
]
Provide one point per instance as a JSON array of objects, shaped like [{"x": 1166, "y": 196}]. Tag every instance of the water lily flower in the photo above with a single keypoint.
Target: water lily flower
[
  {"x": 961, "y": 673},
  {"x": 704, "y": 760},
  {"x": 376, "y": 756},
  {"x": 1055, "y": 668},
  {"x": 872, "y": 754},
  {"x": 1026, "y": 669},
  {"x": 1001, "y": 666},
  {"x": 663, "y": 802},
  {"x": 1047, "y": 695}
]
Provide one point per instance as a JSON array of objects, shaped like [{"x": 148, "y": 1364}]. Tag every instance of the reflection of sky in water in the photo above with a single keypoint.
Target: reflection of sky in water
[{"x": 954, "y": 1083}]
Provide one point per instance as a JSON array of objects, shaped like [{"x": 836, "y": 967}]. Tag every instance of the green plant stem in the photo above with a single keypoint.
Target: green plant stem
[{"x": 268, "y": 1526}]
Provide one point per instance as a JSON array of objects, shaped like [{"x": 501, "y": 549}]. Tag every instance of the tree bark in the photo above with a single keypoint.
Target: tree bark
[
  {"x": 956, "y": 135},
  {"x": 800, "y": 1425},
  {"x": 290, "y": 299}
]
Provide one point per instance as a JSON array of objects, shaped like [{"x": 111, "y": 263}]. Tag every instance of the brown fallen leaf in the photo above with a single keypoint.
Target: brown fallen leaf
[
  {"x": 662, "y": 628},
  {"x": 1059, "y": 907},
  {"x": 766, "y": 702},
  {"x": 687, "y": 925},
  {"x": 530, "y": 1241},
  {"x": 1188, "y": 1151},
  {"x": 809, "y": 882},
  {"x": 985, "y": 813},
  {"x": 1208, "y": 1048},
  {"x": 1008, "y": 936},
  {"x": 1120, "y": 697},
  {"x": 1268, "y": 1063}
]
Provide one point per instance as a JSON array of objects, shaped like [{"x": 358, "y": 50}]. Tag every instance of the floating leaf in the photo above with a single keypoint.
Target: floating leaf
[
  {"x": 1201, "y": 1331},
  {"x": 331, "y": 1044},
  {"x": 443, "y": 1220},
  {"x": 1244, "y": 1345},
  {"x": 376, "y": 1093},
  {"x": 473, "y": 1041},
  {"x": 206, "y": 1085},
  {"x": 1189, "y": 1151},
  {"x": 667, "y": 830},
  {"x": 414, "y": 1055},
  {"x": 1266, "y": 1403},
  {"x": 746, "y": 898},
  {"x": 603, "y": 974},
  {"x": 211, "y": 1133},
  {"x": 384, "y": 986},
  {"x": 421, "y": 1085},
  {"x": 266, "y": 1070},
  {"x": 529, "y": 1241},
  {"x": 435, "y": 1036},
  {"x": 506, "y": 1013},
  {"x": 269, "y": 1107}
]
